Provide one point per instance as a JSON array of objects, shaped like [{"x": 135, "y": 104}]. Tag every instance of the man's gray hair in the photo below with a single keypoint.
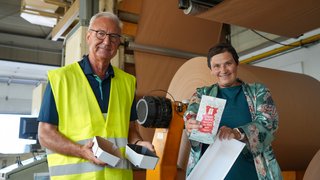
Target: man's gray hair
[{"x": 107, "y": 15}]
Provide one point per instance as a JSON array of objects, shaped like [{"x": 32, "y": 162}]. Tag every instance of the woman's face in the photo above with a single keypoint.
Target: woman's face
[{"x": 224, "y": 68}]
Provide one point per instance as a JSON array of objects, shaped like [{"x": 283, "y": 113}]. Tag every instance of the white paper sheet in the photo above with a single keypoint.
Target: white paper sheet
[{"x": 218, "y": 159}]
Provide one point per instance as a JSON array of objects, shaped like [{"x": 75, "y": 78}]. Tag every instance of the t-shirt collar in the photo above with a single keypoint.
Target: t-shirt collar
[{"x": 88, "y": 70}]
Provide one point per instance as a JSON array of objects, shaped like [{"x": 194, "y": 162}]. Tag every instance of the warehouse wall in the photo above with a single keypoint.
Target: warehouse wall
[
  {"x": 15, "y": 98},
  {"x": 304, "y": 60}
]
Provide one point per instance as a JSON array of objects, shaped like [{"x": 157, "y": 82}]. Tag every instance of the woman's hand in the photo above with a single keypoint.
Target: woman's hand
[
  {"x": 228, "y": 133},
  {"x": 192, "y": 124}
]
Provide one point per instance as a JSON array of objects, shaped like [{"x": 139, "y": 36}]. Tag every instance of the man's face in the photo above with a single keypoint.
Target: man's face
[
  {"x": 224, "y": 68},
  {"x": 103, "y": 49}
]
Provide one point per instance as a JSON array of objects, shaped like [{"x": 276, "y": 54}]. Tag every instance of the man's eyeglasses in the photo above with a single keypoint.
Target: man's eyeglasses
[{"x": 113, "y": 37}]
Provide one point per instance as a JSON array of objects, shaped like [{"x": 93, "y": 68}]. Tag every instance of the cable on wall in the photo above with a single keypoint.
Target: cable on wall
[{"x": 301, "y": 43}]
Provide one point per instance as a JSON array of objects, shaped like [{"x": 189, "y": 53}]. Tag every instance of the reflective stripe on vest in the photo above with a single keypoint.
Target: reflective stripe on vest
[
  {"x": 80, "y": 118},
  {"x": 79, "y": 168},
  {"x": 103, "y": 174}
]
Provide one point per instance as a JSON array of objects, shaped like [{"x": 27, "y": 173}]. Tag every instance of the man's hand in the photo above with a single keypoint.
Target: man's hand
[
  {"x": 135, "y": 138},
  {"x": 146, "y": 144},
  {"x": 51, "y": 138},
  {"x": 86, "y": 153}
]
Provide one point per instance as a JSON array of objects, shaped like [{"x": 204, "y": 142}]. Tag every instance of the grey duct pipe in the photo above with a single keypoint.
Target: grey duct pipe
[
  {"x": 162, "y": 51},
  {"x": 129, "y": 17}
]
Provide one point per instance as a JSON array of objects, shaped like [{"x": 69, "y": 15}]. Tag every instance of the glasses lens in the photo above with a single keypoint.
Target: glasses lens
[
  {"x": 114, "y": 37},
  {"x": 101, "y": 35}
]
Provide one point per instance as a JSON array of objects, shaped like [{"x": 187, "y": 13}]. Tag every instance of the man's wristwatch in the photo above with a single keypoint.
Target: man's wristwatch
[{"x": 241, "y": 132}]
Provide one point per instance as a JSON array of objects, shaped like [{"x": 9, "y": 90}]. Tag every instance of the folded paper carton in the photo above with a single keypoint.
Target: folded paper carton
[
  {"x": 106, "y": 151},
  {"x": 141, "y": 156}
]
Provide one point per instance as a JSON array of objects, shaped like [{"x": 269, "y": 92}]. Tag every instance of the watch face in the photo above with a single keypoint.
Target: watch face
[{"x": 241, "y": 130}]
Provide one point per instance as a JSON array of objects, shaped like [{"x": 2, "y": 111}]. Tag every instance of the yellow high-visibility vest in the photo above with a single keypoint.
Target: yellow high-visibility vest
[{"x": 80, "y": 119}]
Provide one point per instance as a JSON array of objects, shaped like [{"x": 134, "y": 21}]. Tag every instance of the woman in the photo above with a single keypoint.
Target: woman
[{"x": 249, "y": 116}]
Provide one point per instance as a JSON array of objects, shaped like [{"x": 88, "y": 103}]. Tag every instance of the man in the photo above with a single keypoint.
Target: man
[{"x": 86, "y": 99}]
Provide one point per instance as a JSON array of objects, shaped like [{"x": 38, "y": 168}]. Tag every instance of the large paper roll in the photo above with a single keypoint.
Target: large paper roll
[
  {"x": 192, "y": 74},
  {"x": 163, "y": 25}
]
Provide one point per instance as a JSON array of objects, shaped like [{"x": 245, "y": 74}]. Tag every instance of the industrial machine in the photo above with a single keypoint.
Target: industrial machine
[
  {"x": 33, "y": 168},
  {"x": 194, "y": 7},
  {"x": 30, "y": 169},
  {"x": 167, "y": 117}
]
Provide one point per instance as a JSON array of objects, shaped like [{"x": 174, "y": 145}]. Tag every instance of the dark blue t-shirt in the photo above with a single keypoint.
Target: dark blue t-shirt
[{"x": 101, "y": 89}]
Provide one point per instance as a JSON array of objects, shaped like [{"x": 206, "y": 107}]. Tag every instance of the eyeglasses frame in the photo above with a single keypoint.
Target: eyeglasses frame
[{"x": 115, "y": 36}]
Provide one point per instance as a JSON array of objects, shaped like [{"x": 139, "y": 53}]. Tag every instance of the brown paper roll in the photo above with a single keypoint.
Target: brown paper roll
[{"x": 192, "y": 74}]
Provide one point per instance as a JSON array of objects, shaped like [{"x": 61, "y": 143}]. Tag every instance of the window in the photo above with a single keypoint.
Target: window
[{"x": 9, "y": 135}]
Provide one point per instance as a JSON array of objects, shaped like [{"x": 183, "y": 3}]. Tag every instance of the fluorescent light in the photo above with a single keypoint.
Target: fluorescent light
[{"x": 39, "y": 20}]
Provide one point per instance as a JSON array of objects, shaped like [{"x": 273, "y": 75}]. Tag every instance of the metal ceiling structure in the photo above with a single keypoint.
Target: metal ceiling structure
[{"x": 25, "y": 47}]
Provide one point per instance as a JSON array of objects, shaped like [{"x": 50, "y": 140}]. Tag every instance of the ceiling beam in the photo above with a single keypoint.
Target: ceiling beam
[
  {"x": 67, "y": 20},
  {"x": 40, "y": 51},
  {"x": 58, "y": 3}
]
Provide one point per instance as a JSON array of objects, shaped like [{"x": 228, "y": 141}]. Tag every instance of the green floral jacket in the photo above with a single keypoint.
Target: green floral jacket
[{"x": 259, "y": 132}]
